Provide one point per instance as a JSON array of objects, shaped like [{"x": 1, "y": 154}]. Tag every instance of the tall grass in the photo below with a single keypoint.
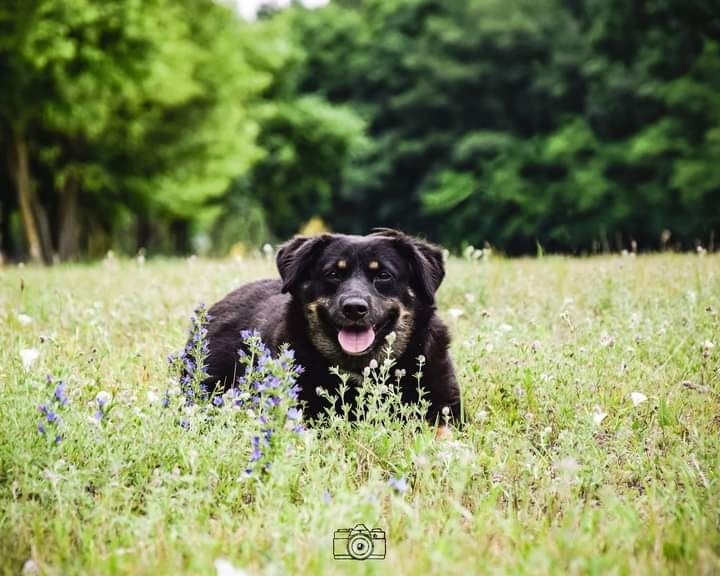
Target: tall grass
[{"x": 591, "y": 387}]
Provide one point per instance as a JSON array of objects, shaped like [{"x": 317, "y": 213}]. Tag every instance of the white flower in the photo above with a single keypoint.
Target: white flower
[
  {"x": 455, "y": 313},
  {"x": 470, "y": 297},
  {"x": 421, "y": 359},
  {"x": 637, "y": 398},
  {"x": 399, "y": 374},
  {"x": 28, "y": 357},
  {"x": 599, "y": 416},
  {"x": 390, "y": 338},
  {"x": 103, "y": 397},
  {"x": 708, "y": 345},
  {"x": 373, "y": 364},
  {"x": 152, "y": 398},
  {"x": 225, "y": 568},
  {"x": 506, "y": 327},
  {"x": 606, "y": 340},
  {"x": 366, "y": 371},
  {"x": 24, "y": 319},
  {"x": 481, "y": 415},
  {"x": 568, "y": 466},
  {"x": 30, "y": 568},
  {"x": 445, "y": 411}
]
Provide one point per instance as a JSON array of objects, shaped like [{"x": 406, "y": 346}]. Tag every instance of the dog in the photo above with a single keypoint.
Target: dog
[{"x": 337, "y": 299}]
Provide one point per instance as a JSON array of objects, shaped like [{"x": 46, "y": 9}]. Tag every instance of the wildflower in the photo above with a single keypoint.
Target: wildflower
[
  {"x": 607, "y": 341},
  {"x": 390, "y": 338},
  {"x": 445, "y": 411},
  {"x": 373, "y": 364},
  {"x": 455, "y": 313},
  {"x": 24, "y": 319},
  {"x": 59, "y": 393},
  {"x": 637, "y": 398},
  {"x": 398, "y": 484},
  {"x": 421, "y": 359},
  {"x": 399, "y": 374},
  {"x": 568, "y": 466},
  {"x": 218, "y": 401},
  {"x": 598, "y": 416},
  {"x": 152, "y": 398},
  {"x": 294, "y": 414},
  {"x": 366, "y": 371},
  {"x": 28, "y": 357},
  {"x": 481, "y": 415},
  {"x": 327, "y": 497},
  {"x": 256, "y": 453},
  {"x": 103, "y": 398},
  {"x": 30, "y": 568},
  {"x": 225, "y": 568}
]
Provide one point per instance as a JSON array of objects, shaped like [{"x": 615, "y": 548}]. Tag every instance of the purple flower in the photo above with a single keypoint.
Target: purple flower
[
  {"x": 59, "y": 394},
  {"x": 43, "y": 409},
  {"x": 294, "y": 413},
  {"x": 398, "y": 484},
  {"x": 51, "y": 416},
  {"x": 298, "y": 429},
  {"x": 185, "y": 423},
  {"x": 41, "y": 428},
  {"x": 256, "y": 453},
  {"x": 327, "y": 497},
  {"x": 58, "y": 438},
  {"x": 218, "y": 401}
]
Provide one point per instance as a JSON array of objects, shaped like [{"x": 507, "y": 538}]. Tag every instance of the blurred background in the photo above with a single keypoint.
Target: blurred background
[{"x": 201, "y": 126}]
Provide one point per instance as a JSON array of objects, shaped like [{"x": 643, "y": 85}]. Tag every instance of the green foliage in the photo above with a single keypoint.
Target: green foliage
[
  {"x": 560, "y": 468},
  {"x": 558, "y": 122},
  {"x": 577, "y": 125}
]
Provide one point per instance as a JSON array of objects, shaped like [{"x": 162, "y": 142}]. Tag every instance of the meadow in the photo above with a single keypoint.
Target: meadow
[{"x": 592, "y": 442}]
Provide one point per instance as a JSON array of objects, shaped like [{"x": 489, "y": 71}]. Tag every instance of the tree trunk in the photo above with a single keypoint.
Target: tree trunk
[
  {"x": 68, "y": 243},
  {"x": 20, "y": 169}
]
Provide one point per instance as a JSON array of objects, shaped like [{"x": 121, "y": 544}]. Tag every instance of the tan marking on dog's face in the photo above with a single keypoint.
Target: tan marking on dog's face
[
  {"x": 374, "y": 265},
  {"x": 325, "y": 345},
  {"x": 342, "y": 264}
]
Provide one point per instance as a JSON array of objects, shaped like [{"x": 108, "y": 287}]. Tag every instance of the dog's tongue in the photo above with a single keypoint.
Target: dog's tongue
[{"x": 356, "y": 341}]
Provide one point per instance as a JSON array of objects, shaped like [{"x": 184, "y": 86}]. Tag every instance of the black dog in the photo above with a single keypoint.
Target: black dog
[{"x": 338, "y": 297}]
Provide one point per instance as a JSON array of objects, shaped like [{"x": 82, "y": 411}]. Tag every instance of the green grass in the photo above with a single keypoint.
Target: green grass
[{"x": 533, "y": 484}]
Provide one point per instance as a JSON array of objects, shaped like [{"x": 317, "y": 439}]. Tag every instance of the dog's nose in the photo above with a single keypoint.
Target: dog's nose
[{"x": 354, "y": 308}]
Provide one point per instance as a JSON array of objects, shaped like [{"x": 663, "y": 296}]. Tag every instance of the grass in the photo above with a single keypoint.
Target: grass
[{"x": 538, "y": 482}]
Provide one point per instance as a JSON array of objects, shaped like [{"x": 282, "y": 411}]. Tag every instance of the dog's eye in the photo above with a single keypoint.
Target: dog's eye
[
  {"x": 383, "y": 276},
  {"x": 332, "y": 274}
]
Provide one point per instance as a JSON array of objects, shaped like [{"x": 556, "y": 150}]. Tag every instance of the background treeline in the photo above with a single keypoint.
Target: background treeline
[{"x": 577, "y": 125}]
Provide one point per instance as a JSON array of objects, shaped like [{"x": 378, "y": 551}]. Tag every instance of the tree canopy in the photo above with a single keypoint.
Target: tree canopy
[{"x": 573, "y": 124}]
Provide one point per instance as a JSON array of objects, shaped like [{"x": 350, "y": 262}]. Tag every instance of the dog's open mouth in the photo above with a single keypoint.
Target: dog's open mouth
[{"x": 356, "y": 340}]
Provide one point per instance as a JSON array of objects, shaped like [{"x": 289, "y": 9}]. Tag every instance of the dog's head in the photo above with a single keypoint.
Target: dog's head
[{"x": 355, "y": 290}]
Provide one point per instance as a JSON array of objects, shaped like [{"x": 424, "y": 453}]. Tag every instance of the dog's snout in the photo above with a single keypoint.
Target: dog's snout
[{"x": 355, "y": 308}]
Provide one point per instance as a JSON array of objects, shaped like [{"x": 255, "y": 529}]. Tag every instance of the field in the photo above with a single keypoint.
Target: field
[{"x": 592, "y": 443}]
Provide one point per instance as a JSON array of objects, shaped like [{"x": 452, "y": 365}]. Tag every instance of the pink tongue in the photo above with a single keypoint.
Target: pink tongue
[{"x": 356, "y": 341}]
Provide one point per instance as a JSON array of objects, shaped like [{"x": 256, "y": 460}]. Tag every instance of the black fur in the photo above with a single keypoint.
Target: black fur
[{"x": 312, "y": 279}]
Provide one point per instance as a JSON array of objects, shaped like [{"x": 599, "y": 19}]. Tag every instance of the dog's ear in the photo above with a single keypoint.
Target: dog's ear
[
  {"x": 296, "y": 256},
  {"x": 427, "y": 267}
]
